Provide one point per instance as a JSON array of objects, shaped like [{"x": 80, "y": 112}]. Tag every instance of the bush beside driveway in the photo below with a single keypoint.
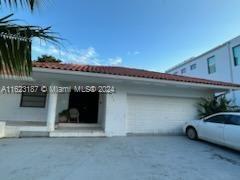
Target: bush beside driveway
[{"x": 135, "y": 157}]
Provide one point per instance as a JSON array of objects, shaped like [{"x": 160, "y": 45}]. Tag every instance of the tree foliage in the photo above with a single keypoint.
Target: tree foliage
[
  {"x": 48, "y": 58},
  {"x": 216, "y": 104}
]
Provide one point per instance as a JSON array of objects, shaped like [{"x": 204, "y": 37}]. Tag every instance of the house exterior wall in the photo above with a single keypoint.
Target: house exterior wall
[
  {"x": 222, "y": 66},
  {"x": 116, "y": 113},
  {"x": 113, "y": 108},
  {"x": 235, "y": 69},
  {"x": 10, "y": 109},
  {"x": 225, "y": 68}
]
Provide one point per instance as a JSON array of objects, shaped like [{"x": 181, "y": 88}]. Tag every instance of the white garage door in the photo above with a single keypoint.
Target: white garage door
[{"x": 153, "y": 114}]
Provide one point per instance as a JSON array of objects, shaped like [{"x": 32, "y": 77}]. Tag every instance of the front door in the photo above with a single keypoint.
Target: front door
[{"x": 87, "y": 105}]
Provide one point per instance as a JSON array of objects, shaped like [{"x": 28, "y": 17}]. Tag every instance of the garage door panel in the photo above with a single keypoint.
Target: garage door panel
[{"x": 153, "y": 114}]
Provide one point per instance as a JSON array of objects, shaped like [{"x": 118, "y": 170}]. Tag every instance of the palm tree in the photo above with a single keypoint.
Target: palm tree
[
  {"x": 31, "y": 4},
  {"x": 15, "y": 40}
]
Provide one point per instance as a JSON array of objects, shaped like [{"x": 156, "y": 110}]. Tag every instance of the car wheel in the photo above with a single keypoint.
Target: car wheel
[{"x": 191, "y": 133}]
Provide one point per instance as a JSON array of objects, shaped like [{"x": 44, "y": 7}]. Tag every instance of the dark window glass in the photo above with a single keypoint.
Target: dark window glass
[
  {"x": 211, "y": 65},
  {"x": 216, "y": 119},
  {"x": 33, "y": 99},
  {"x": 236, "y": 55},
  {"x": 183, "y": 70},
  {"x": 193, "y": 66},
  {"x": 233, "y": 120}
]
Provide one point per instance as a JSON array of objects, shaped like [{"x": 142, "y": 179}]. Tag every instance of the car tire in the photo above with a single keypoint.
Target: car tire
[{"x": 191, "y": 133}]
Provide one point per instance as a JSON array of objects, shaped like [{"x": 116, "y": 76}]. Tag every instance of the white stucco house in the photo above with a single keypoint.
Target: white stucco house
[
  {"x": 221, "y": 63},
  {"x": 142, "y": 101}
]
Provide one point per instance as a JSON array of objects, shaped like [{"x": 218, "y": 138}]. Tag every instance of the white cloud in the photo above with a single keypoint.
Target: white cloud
[
  {"x": 133, "y": 53},
  {"x": 74, "y": 55},
  {"x": 83, "y": 56},
  {"x": 115, "y": 61}
]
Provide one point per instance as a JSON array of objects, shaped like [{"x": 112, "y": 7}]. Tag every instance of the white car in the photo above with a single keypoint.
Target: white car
[{"x": 220, "y": 128}]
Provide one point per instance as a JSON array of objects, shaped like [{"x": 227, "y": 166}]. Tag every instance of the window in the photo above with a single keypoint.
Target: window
[
  {"x": 216, "y": 119},
  {"x": 183, "y": 70},
  {"x": 33, "y": 99},
  {"x": 211, "y": 65},
  {"x": 236, "y": 55},
  {"x": 193, "y": 66},
  {"x": 233, "y": 120}
]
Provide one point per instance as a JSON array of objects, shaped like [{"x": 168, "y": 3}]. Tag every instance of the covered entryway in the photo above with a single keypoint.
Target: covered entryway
[
  {"x": 87, "y": 105},
  {"x": 154, "y": 114},
  {"x": 91, "y": 110}
]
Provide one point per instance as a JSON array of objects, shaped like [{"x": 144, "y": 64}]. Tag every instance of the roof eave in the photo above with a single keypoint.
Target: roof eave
[{"x": 110, "y": 76}]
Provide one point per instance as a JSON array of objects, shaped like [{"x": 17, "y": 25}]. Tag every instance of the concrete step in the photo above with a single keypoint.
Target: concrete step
[
  {"x": 33, "y": 134},
  {"x": 78, "y": 125},
  {"x": 77, "y": 133}
]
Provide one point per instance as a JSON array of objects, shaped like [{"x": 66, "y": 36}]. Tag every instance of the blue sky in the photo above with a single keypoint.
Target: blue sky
[{"x": 149, "y": 34}]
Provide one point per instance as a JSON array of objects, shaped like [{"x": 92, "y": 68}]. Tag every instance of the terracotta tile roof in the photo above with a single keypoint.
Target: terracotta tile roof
[{"x": 130, "y": 72}]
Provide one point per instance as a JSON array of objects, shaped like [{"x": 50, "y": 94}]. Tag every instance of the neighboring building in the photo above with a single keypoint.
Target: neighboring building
[
  {"x": 221, "y": 63},
  {"x": 143, "y": 101}
]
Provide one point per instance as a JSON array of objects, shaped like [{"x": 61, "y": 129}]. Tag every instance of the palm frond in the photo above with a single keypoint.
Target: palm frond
[
  {"x": 15, "y": 45},
  {"x": 31, "y": 4}
]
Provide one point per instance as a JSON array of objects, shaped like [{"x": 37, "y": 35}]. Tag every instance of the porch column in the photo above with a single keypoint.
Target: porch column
[{"x": 52, "y": 107}]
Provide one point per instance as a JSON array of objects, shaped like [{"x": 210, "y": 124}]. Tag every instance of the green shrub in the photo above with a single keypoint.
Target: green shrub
[{"x": 216, "y": 104}]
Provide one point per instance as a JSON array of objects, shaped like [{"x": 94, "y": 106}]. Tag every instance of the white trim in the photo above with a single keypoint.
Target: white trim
[{"x": 170, "y": 82}]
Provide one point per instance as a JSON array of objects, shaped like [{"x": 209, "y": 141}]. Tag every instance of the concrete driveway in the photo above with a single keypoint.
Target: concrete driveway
[{"x": 142, "y": 157}]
